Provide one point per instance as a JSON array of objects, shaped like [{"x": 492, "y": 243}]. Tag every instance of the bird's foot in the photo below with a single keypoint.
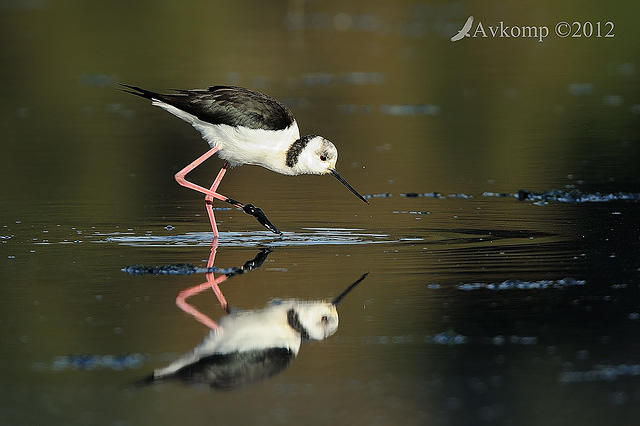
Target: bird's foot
[{"x": 261, "y": 217}]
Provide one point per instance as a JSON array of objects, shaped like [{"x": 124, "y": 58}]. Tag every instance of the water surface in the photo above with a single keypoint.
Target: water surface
[{"x": 482, "y": 305}]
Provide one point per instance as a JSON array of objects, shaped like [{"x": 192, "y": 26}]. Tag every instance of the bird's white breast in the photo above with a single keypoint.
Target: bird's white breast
[
  {"x": 242, "y": 145},
  {"x": 266, "y": 148}
]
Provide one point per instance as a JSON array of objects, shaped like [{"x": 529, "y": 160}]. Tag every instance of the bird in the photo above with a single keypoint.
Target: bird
[
  {"x": 252, "y": 345},
  {"x": 464, "y": 31},
  {"x": 245, "y": 127}
]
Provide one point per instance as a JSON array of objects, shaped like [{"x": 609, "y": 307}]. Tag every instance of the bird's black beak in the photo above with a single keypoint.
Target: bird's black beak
[
  {"x": 336, "y": 175},
  {"x": 348, "y": 290}
]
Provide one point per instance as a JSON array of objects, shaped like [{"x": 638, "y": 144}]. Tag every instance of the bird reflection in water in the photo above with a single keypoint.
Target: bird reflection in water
[{"x": 248, "y": 346}]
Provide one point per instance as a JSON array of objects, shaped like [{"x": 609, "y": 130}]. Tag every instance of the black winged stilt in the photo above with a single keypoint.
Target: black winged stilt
[{"x": 246, "y": 127}]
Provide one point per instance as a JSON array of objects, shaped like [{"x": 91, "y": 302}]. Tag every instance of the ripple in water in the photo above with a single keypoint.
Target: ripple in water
[
  {"x": 573, "y": 196},
  {"x": 94, "y": 362},
  {"x": 600, "y": 373},
  {"x": 523, "y": 285},
  {"x": 314, "y": 236}
]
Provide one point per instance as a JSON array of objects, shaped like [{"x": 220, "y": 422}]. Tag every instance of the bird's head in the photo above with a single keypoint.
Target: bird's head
[
  {"x": 318, "y": 319},
  {"x": 316, "y": 155}
]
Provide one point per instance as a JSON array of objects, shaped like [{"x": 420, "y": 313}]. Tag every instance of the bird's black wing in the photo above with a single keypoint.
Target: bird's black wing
[{"x": 231, "y": 105}]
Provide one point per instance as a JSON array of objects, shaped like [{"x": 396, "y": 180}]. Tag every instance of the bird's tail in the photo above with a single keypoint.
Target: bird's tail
[{"x": 135, "y": 90}]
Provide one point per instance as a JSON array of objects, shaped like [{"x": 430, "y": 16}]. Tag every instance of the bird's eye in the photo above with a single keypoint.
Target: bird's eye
[
  {"x": 323, "y": 158},
  {"x": 324, "y": 318}
]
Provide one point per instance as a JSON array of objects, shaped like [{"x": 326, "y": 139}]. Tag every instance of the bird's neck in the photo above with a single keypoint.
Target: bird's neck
[{"x": 296, "y": 148}]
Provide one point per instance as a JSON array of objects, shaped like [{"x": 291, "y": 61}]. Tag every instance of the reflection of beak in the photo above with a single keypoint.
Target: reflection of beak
[
  {"x": 345, "y": 183},
  {"x": 348, "y": 290}
]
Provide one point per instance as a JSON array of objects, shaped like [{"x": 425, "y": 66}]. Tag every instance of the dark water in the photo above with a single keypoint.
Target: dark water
[{"x": 478, "y": 308}]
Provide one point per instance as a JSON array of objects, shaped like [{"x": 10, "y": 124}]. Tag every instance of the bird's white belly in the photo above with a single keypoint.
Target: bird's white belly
[
  {"x": 266, "y": 148},
  {"x": 242, "y": 145}
]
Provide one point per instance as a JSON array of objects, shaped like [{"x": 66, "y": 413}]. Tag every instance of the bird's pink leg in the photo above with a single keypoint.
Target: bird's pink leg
[
  {"x": 213, "y": 283},
  {"x": 247, "y": 208},
  {"x": 180, "y": 176},
  {"x": 208, "y": 199},
  {"x": 210, "y": 194}
]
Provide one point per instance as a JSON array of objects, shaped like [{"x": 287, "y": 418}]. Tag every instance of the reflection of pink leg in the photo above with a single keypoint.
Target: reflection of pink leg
[
  {"x": 215, "y": 281},
  {"x": 208, "y": 199},
  {"x": 181, "y": 301},
  {"x": 212, "y": 283}
]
